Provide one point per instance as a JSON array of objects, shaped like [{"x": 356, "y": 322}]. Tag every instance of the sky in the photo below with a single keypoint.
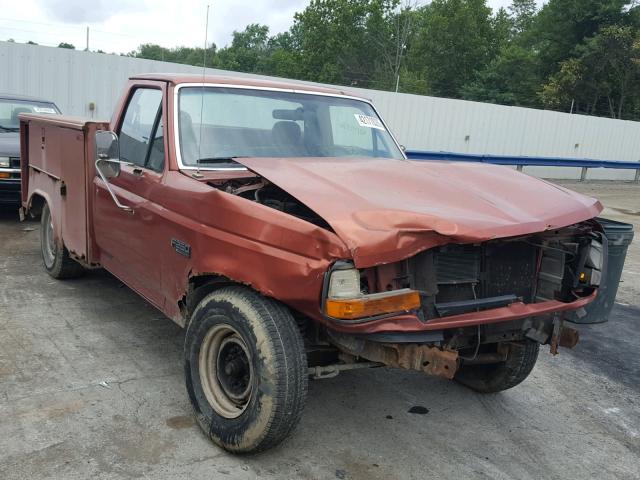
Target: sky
[{"x": 121, "y": 25}]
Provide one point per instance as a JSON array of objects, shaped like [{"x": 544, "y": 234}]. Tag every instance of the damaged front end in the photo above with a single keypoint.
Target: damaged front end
[
  {"x": 466, "y": 303},
  {"x": 445, "y": 293}
]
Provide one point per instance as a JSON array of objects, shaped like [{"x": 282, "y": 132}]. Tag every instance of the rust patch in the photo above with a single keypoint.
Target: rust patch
[
  {"x": 569, "y": 337},
  {"x": 431, "y": 360},
  {"x": 411, "y": 356}
]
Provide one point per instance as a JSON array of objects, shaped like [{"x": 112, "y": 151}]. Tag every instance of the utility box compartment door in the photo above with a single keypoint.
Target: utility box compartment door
[{"x": 59, "y": 161}]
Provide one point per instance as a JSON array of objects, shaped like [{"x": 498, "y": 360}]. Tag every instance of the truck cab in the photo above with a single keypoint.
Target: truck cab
[{"x": 283, "y": 227}]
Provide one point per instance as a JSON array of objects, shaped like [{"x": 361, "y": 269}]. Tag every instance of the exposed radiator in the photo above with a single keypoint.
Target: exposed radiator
[{"x": 460, "y": 265}]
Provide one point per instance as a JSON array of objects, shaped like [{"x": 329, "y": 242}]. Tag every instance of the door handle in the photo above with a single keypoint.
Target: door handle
[{"x": 138, "y": 172}]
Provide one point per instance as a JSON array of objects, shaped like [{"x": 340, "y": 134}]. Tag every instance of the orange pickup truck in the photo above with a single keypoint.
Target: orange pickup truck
[{"x": 283, "y": 227}]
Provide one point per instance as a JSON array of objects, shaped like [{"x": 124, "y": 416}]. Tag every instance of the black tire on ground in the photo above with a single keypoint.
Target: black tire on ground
[
  {"x": 55, "y": 256},
  {"x": 501, "y": 376},
  {"x": 245, "y": 369}
]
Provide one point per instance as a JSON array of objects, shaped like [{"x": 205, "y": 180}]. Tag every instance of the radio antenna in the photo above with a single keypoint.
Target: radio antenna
[{"x": 204, "y": 70}]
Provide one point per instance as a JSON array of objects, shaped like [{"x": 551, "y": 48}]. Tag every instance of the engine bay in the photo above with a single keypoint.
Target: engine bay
[{"x": 266, "y": 193}]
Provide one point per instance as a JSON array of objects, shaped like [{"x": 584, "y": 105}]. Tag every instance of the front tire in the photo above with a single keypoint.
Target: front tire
[
  {"x": 245, "y": 369},
  {"x": 497, "y": 377},
  {"x": 55, "y": 256}
]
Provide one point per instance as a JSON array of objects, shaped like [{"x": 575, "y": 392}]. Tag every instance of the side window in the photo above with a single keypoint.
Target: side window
[
  {"x": 138, "y": 123},
  {"x": 156, "y": 152}
]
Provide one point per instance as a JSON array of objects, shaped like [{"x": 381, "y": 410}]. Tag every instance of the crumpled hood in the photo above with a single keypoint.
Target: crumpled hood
[
  {"x": 9, "y": 144},
  {"x": 386, "y": 210}
]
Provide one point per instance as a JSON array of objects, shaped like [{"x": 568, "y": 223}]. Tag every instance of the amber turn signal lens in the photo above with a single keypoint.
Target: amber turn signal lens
[
  {"x": 374, "y": 304},
  {"x": 5, "y": 175}
]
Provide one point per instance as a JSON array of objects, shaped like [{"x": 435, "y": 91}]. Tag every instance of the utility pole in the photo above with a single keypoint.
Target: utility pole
[{"x": 87, "y": 49}]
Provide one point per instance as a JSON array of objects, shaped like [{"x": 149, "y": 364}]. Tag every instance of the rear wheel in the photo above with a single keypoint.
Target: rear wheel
[
  {"x": 496, "y": 377},
  {"x": 55, "y": 256},
  {"x": 245, "y": 368}
]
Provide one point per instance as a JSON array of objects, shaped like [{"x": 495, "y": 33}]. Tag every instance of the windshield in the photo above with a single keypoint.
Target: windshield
[
  {"x": 10, "y": 109},
  {"x": 217, "y": 124}
]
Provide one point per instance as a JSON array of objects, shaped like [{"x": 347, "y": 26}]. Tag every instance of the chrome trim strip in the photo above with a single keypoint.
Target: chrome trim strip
[
  {"x": 9, "y": 170},
  {"x": 176, "y": 116},
  {"x": 45, "y": 172}
]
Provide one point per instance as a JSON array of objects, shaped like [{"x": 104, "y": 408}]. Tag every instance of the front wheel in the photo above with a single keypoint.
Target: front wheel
[
  {"x": 55, "y": 256},
  {"x": 495, "y": 377},
  {"x": 245, "y": 369}
]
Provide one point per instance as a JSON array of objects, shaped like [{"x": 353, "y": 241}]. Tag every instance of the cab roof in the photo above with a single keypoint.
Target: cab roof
[{"x": 177, "y": 78}]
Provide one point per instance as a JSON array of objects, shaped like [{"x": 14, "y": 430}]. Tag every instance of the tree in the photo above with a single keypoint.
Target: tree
[
  {"x": 605, "y": 77},
  {"x": 563, "y": 25},
  {"x": 247, "y": 51},
  {"x": 393, "y": 33},
  {"x": 187, "y": 55},
  {"x": 510, "y": 79},
  {"x": 66, "y": 45},
  {"x": 339, "y": 41},
  {"x": 283, "y": 57},
  {"x": 523, "y": 13},
  {"x": 454, "y": 43}
]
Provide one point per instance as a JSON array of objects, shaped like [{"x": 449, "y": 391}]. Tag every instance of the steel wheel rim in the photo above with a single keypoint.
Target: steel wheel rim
[
  {"x": 48, "y": 243},
  {"x": 226, "y": 371}
]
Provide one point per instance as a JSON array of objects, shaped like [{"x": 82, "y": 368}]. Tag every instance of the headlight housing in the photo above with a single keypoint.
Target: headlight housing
[
  {"x": 345, "y": 300},
  {"x": 344, "y": 283},
  {"x": 4, "y": 162}
]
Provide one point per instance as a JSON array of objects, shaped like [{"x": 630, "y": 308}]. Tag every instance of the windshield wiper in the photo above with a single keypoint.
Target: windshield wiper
[
  {"x": 213, "y": 160},
  {"x": 9, "y": 129}
]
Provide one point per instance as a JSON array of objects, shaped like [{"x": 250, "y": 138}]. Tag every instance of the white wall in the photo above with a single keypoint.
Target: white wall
[{"x": 73, "y": 79}]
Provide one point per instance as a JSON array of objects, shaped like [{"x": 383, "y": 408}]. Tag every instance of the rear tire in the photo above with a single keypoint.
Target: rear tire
[
  {"x": 245, "y": 369},
  {"x": 55, "y": 256},
  {"x": 497, "y": 377}
]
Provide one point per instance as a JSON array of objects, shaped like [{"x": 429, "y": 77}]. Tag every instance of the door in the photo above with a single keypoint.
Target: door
[{"x": 128, "y": 240}]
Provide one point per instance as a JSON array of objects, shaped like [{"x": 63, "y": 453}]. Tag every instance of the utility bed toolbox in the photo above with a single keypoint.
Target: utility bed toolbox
[{"x": 58, "y": 174}]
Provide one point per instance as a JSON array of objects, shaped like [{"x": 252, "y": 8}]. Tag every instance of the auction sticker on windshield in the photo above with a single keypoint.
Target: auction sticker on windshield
[
  {"x": 44, "y": 110},
  {"x": 368, "y": 121}
]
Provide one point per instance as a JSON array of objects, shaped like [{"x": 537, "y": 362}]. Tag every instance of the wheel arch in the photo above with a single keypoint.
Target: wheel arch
[
  {"x": 36, "y": 203},
  {"x": 199, "y": 285}
]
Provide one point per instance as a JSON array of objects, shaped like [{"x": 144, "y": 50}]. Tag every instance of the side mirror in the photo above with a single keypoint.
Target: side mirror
[
  {"x": 107, "y": 154},
  {"x": 108, "y": 162}
]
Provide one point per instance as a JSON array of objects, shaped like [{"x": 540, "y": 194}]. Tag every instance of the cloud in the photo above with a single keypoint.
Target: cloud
[{"x": 81, "y": 11}]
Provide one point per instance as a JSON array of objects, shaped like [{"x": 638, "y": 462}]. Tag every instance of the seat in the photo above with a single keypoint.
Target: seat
[{"x": 287, "y": 137}]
